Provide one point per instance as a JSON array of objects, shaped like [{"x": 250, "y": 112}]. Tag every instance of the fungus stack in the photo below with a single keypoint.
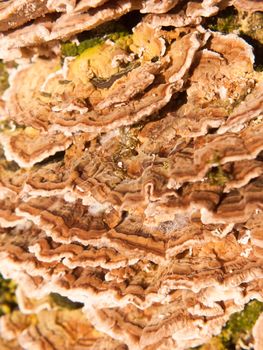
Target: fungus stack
[{"x": 131, "y": 172}]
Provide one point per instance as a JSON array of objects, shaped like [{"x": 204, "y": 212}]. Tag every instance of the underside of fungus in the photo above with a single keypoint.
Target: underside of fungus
[{"x": 131, "y": 172}]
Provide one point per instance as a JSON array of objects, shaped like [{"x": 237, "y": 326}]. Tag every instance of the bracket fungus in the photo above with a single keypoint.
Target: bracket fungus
[{"x": 131, "y": 173}]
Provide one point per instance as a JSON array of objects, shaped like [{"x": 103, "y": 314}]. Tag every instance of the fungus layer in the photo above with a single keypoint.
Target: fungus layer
[{"x": 131, "y": 173}]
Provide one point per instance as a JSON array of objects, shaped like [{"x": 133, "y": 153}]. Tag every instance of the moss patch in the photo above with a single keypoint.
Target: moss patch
[
  {"x": 72, "y": 49},
  {"x": 226, "y": 21},
  {"x": 3, "y": 78},
  {"x": 217, "y": 176},
  {"x": 237, "y": 328},
  {"x": 7, "y": 296},
  {"x": 241, "y": 323}
]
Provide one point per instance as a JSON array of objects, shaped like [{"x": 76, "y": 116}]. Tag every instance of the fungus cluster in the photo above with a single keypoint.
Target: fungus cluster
[{"x": 131, "y": 172}]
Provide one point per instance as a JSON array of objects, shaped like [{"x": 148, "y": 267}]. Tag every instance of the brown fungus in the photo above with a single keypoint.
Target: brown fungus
[{"x": 131, "y": 174}]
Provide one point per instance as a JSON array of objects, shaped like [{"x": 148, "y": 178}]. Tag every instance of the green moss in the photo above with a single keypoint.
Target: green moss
[
  {"x": 72, "y": 49},
  {"x": 122, "y": 39},
  {"x": 69, "y": 49},
  {"x": 217, "y": 176},
  {"x": 7, "y": 296},
  {"x": 230, "y": 20},
  {"x": 228, "y": 24},
  {"x": 3, "y": 78},
  {"x": 241, "y": 323},
  {"x": 226, "y": 21},
  {"x": 237, "y": 328},
  {"x": 86, "y": 44}
]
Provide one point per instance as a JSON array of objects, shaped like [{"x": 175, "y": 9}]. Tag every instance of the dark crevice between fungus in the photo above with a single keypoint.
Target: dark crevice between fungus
[
  {"x": 107, "y": 83},
  {"x": 178, "y": 100},
  {"x": 131, "y": 19},
  {"x": 64, "y": 302},
  {"x": 52, "y": 159},
  {"x": 258, "y": 51}
]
